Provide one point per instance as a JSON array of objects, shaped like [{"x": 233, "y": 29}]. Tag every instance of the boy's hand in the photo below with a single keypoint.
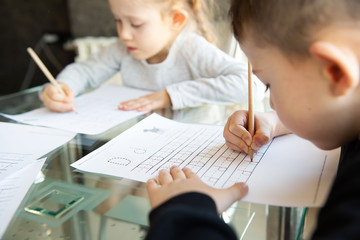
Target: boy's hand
[
  {"x": 267, "y": 126},
  {"x": 55, "y": 101},
  {"x": 177, "y": 181},
  {"x": 156, "y": 100}
]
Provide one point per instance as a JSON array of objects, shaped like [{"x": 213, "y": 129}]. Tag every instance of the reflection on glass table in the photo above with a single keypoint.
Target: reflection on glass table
[{"x": 66, "y": 204}]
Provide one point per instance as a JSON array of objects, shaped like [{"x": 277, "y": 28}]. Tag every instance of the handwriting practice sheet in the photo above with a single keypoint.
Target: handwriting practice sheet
[
  {"x": 13, "y": 190},
  {"x": 96, "y": 111},
  {"x": 21, "y": 144},
  {"x": 288, "y": 171}
]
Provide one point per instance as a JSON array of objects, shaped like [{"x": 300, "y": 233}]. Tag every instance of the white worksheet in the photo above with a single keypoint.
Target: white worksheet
[
  {"x": 20, "y": 144},
  {"x": 289, "y": 171},
  {"x": 95, "y": 113},
  {"x": 13, "y": 190}
]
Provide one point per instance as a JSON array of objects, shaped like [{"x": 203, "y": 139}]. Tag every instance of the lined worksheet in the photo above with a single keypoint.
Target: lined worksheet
[
  {"x": 95, "y": 113},
  {"x": 288, "y": 171},
  {"x": 21, "y": 144}
]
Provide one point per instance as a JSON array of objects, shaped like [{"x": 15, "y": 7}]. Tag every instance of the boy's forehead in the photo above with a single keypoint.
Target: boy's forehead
[
  {"x": 253, "y": 50},
  {"x": 261, "y": 52},
  {"x": 265, "y": 59},
  {"x": 250, "y": 42}
]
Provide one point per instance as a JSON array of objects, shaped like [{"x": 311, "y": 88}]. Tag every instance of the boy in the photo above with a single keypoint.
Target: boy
[{"x": 308, "y": 54}]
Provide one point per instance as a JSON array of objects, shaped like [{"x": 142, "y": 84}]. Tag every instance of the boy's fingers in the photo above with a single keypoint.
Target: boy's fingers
[
  {"x": 234, "y": 131},
  {"x": 240, "y": 147},
  {"x": 225, "y": 197},
  {"x": 152, "y": 185},
  {"x": 238, "y": 190},
  {"x": 177, "y": 173},
  {"x": 188, "y": 173},
  {"x": 165, "y": 177},
  {"x": 239, "y": 118},
  {"x": 241, "y": 132},
  {"x": 259, "y": 140},
  {"x": 235, "y": 140}
]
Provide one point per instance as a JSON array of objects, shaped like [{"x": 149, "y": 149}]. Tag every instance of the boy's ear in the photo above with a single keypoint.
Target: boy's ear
[
  {"x": 341, "y": 67},
  {"x": 179, "y": 18}
]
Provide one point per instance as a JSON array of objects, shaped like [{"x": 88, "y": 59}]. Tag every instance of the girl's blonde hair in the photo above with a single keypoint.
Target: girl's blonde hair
[{"x": 201, "y": 12}]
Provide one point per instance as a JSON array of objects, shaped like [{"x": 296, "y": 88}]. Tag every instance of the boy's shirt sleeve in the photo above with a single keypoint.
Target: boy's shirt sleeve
[
  {"x": 217, "y": 77},
  {"x": 94, "y": 71},
  {"x": 188, "y": 216}
]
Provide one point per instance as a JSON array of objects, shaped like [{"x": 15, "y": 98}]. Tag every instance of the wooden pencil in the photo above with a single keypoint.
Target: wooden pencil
[
  {"x": 251, "y": 109},
  {"x": 47, "y": 73},
  {"x": 44, "y": 69}
]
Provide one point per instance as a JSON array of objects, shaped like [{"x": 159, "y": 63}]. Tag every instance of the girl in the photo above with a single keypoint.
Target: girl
[{"x": 160, "y": 49}]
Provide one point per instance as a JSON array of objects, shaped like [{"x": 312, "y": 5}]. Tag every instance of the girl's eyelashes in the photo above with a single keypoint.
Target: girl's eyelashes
[{"x": 136, "y": 25}]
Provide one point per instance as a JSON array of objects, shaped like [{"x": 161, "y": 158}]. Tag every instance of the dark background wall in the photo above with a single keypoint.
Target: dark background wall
[
  {"x": 91, "y": 18},
  {"x": 24, "y": 23}
]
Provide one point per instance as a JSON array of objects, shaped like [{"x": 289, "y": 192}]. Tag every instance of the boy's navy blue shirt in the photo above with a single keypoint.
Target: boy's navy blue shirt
[
  {"x": 188, "y": 216},
  {"x": 193, "y": 215},
  {"x": 340, "y": 216}
]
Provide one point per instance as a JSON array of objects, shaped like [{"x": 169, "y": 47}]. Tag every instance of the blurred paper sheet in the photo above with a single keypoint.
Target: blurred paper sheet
[
  {"x": 96, "y": 111},
  {"x": 21, "y": 144}
]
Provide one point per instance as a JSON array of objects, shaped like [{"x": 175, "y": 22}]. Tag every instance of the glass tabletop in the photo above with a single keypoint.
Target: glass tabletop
[{"x": 66, "y": 204}]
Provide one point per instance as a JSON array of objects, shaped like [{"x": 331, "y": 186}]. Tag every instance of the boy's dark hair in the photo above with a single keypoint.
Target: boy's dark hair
[{"x": 289, "y": 24}]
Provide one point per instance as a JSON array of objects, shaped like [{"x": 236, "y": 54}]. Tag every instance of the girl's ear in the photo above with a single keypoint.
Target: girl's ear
[
  {"x": 341, "y": 67},
  {"x": 179, "y": 18}
]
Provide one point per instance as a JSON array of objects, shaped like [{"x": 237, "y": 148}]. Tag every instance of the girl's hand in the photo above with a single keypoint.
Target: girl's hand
[
  {"x": 267, "y": 126},
  {"x": 177, "y": 181},
  {"x": 55, "y": 101},
  {"x": 156, "y": 100}
]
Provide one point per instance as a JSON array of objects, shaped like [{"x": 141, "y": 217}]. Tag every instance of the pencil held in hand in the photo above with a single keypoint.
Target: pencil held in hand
[
  {"x": 47, "y": 73},
  {"x": 251, "y": 109}
]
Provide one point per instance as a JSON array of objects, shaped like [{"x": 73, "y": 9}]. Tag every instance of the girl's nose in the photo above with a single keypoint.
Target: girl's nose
[
  {"x": 124, "y": 33},
  {"x": 271, "y": 103}
]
